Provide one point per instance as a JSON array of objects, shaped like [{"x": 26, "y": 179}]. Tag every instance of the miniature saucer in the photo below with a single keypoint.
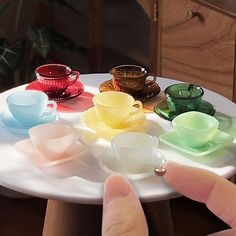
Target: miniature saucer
[
  {"x": 16, "y": 128},
  {"x": 220, "y": 140},
  {"x": 164, "y": 111},
  {"x": 26, "y": 147},
  {"x": 90, "y": 119},
  {"x": 112, "y": 166},
  {"x": 72, "y": 91},
  {"x": 149, "y": 91}
]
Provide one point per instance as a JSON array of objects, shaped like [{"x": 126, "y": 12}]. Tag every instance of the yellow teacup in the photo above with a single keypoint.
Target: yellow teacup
[{"x": 114, "y": 107}]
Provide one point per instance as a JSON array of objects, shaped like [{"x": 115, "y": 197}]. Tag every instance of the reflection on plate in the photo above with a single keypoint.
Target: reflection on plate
[
  {"x": 90, "y": 119},
  {"x": 72, "y": 91},
  {"x": 164, "y": 111},
  {"x": 112, "y": 166},
  {"x": 220, "y": 140},
  {"x": 27, "y": 148},
  {"x": 16, "y": 128},
  {"x": 149, "y": 91}
]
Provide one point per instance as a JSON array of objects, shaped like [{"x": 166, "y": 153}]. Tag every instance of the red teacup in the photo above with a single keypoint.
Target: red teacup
[{"x": 56, "y": 78}]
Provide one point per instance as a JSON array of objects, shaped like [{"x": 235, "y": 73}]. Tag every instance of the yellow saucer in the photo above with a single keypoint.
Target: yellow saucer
[{"x": 90, "y": 119}]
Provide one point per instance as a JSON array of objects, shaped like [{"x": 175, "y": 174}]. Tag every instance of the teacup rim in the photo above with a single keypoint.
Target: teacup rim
[
  {"x": 127, "y": 133},
  {"x": 183, "y": 98},
  {"x": 72, "y": 129},
  {"x": 110, "y": 92},
  {"x": 53, "y": 76},
  {"x": 216, "y": 122},
  {"x": 143, "y": 69},
  {"x": 10, "y": 96}
]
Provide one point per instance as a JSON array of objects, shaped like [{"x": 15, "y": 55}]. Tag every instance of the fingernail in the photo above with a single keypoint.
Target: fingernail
[{"x": 115, "y": 186}]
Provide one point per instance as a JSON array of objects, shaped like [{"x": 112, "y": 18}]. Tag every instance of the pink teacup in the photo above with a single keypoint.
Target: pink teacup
[{"x": 56, "y": 78}]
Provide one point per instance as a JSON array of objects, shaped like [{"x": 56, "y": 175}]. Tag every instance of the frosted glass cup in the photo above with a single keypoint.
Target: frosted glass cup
[
  {"x": 134, "y": 150},
  {"x": 113, "y": 107},
  {"x": 52, "y": 139},
  {"x": 194, "y": 128},
  {"x": 28, "y": 106}
]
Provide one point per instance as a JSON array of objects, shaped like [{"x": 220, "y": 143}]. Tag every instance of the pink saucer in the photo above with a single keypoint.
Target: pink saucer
[{"x": 72, "y": 91}]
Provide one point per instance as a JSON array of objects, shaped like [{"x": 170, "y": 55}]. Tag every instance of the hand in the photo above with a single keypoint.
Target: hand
[
  {"x": 122, "y": 211},
  {"x": 123, "y": 215},
  {"x": 216, "y": 192}
]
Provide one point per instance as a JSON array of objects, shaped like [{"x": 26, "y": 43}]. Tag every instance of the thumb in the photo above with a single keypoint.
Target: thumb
[{"x": 122, "y": 211}]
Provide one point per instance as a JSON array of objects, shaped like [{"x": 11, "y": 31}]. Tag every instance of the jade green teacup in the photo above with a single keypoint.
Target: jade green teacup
[{"x": 194, "y": 128}]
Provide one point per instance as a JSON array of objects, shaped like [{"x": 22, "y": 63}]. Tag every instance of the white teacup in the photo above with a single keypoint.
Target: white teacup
[
  {"x": 134, "y": 150},
  {"x": 52, "y": 139}
]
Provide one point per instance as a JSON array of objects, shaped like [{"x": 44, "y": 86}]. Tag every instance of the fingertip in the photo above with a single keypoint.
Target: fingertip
[
  {"x": 171, "y": 168},
  {"x": 115, "y": 186},
  {"x": 122, "y": 210},
  {"x": 171, "y": 164}
]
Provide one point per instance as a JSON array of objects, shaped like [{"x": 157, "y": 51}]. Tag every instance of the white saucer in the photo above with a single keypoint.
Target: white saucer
[
  {"x": 220, "y": 140},
  {"x": 90, "y": 119},
  {"x": 75, "y": 152},
  {"x": 16, "y": 128},
  {"x": 111, "y": 166}
]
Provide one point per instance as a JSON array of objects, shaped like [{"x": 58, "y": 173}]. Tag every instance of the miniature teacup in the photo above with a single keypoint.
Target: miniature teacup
[
  {"x": 55, "y": 78},
  {"x": 130, "y": 78},
  {"x": 28, "y": 106},
  {"x": 134, "y": 150},
  {"x": 114, "y": 107},
  {"x": 194, "y": 128},
  {"x": 183, "y": 97},
  {"x": 52, "y": 139}
]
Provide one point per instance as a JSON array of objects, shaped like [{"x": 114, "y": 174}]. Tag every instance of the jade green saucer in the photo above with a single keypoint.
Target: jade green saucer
[
  {"x": 220, "y": 140},
  {"x": 164, "y": 111}
]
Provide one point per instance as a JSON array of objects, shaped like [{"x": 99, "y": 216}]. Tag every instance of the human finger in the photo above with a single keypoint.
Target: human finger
[
  {"x": 228, "y": 232},
  {"x": 216, "y": 192},
  {"x": 122, "y": 210}
]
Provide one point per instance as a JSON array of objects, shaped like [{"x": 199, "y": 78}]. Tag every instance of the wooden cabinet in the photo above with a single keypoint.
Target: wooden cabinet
[{"x": 198, "y": 45}]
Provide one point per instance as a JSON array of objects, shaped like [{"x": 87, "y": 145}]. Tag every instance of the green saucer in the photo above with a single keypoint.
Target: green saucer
[
  {"x": 220, "y": 140},
  {"x": 164, "y": 111}
]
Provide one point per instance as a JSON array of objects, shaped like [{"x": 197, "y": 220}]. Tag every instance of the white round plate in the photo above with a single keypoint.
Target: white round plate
[{"x": 85, "y": 185}]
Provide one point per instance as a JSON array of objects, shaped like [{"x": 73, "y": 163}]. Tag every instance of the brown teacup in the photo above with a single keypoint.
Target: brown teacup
[{"x": 130, "y": 78}]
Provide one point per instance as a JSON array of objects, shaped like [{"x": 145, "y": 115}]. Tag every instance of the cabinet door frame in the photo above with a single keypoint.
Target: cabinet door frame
[{"x": 155, "y": 36}]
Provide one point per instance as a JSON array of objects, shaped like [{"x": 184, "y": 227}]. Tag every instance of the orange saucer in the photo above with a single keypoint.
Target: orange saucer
[{"x": 149, "y": 91}]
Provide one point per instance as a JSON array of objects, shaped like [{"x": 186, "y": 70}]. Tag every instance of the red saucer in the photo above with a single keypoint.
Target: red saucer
[{"x": 72, "y": 91}]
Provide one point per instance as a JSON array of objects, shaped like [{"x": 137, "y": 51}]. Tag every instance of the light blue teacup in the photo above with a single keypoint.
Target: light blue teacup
[{"x": 28, "y": 106}]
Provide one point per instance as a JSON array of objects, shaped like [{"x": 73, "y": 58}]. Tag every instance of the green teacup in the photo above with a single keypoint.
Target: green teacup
[
  {"x": 183, "y": 97},
  {"x": 194, "y": 128}
]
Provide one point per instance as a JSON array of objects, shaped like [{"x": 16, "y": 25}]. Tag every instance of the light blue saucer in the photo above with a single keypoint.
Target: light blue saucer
[
  {"x": 16, "y": 128},
  {"x": 220, "y": 140}
]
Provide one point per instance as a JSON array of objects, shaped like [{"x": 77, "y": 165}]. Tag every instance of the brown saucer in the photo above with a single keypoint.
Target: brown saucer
[{"x": 149, "y": 91}]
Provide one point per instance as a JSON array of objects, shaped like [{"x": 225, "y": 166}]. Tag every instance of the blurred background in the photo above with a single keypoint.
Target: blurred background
[{"x": 35, "y": 32}]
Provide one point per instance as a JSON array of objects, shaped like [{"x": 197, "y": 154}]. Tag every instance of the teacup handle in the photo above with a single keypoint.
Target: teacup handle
[
  {"x": 52, "y": 109},
  {"x": 153, "y": 80},
  {"x": 159, "y": 159},
  {"x": 138, "y": 105},
  {"x": 74, "y": 76}
]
